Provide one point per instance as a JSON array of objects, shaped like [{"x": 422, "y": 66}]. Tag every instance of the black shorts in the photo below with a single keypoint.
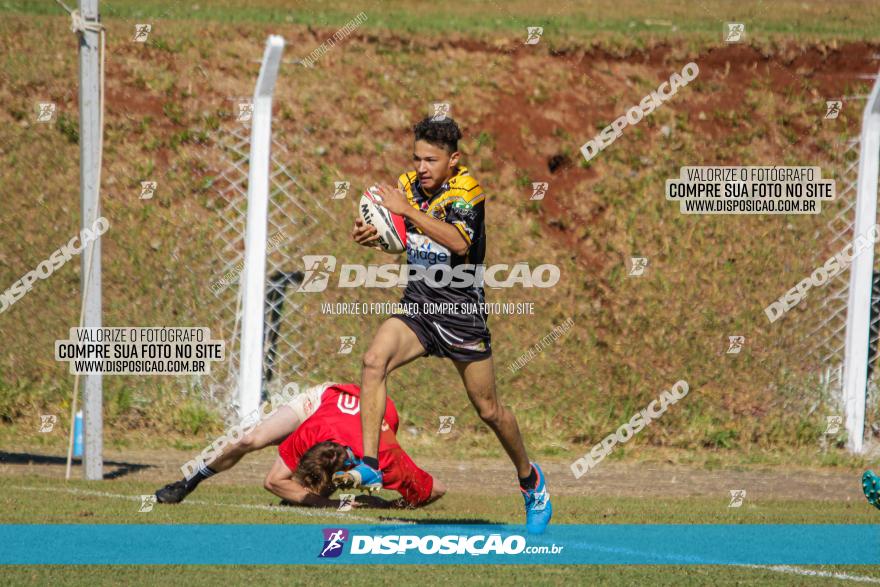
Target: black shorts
[{"x": 449, "y": 339}]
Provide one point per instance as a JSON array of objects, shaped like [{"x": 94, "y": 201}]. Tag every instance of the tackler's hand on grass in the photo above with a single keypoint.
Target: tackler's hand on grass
[{"x": 365, "y": 235}]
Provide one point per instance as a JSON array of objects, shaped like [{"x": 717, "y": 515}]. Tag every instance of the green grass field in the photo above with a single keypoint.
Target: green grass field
[
  {"x": 403, "y": 575},
  {"x": 32, "y": 490},
  {"x": 34, "y": 499},
  {"x": 711, "y": 276},
  {"x": 580, "y": 20},
  {"x": 30, "y": 499}
]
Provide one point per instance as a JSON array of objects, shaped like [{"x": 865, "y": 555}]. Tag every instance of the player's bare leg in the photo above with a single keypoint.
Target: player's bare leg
[
  {"x": 394, "y": 345},
  {"x": 272, "y": 430},
  {"x": 479, "y": 381}
]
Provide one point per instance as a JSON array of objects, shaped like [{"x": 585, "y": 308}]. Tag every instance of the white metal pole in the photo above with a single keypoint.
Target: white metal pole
[
  {"x": 858, "y": 314},
  {"x": 90, "y": 276},
  {"x": 250, "y": 379}
]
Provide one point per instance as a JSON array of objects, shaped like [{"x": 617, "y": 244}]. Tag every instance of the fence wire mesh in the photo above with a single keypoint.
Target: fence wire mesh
[
  {"x": 825, "y": 323},
  {"x": 294, "y": 216}
]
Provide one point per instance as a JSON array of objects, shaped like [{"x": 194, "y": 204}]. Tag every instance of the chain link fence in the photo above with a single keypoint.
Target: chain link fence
[
  {"x": 294, "y": 219},
  {"x": 825, "y": 324}
]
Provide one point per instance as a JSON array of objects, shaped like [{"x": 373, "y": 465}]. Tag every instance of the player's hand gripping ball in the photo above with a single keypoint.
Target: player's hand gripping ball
[{"x": 390, "y": 227}]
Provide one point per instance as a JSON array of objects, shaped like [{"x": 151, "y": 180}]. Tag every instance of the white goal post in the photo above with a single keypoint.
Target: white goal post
[
  {"x": 250, "y": 375},
  {"x": 861, "y": 278}
]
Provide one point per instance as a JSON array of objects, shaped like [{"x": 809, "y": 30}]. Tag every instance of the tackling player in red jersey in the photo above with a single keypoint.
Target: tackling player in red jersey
[
  {"x": 330, "y": 442},
  {"x": 318, "y": 452}
]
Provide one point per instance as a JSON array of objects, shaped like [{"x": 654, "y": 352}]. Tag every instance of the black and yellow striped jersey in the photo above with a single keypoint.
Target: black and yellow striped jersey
[{"x": 461, "y": 202}]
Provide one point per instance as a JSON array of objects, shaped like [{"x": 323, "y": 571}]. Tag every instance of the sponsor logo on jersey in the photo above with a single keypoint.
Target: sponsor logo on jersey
[
  {"x": 422, "y": 250},
  {"x": 348, "y": 404}
]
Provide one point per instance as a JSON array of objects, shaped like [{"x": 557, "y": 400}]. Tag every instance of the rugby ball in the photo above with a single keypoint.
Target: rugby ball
[{"x": 390, "y": 227}]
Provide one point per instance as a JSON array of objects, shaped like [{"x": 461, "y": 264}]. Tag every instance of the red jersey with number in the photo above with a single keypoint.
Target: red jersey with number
[{"x": 338, "y": 419}]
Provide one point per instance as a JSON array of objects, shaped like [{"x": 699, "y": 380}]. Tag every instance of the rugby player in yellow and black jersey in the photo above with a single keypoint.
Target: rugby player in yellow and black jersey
[
  {"x": 464, "y": 335},
  {"x": 444, "y": 211}
]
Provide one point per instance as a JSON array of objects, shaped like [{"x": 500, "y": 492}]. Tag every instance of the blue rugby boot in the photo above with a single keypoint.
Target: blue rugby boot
[
  {"x": 539, "y": 510},
  {"x": 871, "y": 487},
  {"x": 362, "y": 476}
]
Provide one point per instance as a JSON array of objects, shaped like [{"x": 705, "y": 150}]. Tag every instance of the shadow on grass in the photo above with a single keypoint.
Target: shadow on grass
[{"x": 20, "y": 458}]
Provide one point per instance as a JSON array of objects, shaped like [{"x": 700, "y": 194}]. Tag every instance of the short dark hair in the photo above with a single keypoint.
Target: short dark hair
[
  {"x": 440, "y": 133},
  {"x": 316, "y": 467}
]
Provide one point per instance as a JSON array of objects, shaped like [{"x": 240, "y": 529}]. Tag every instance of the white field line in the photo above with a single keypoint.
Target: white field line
[
  {"x": 811, "y": 573},
  {"x": 269, "y": 508},
  {"x": 786, "y": 569}
]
